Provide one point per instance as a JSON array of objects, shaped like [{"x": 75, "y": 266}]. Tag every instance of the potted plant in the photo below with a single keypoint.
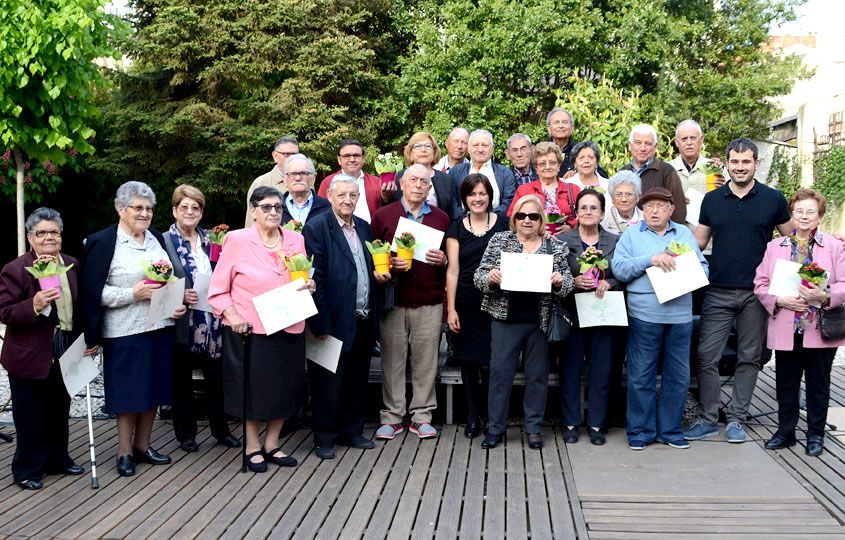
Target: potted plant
[
  {"x": 380, "y": 252},
  {"x": 47, "y": 270},
  {"x": 405, "y": 246},
  {"x": 216, "y": 237},
  {"x": 293, "y": 225},
  {"x": 160, "y": 271},
  {"x": 387, "y": 165},
  {"x": 712, "y": 168},
  {"x": 299, "y": 266},
  {"x": 593, "y": 264}
]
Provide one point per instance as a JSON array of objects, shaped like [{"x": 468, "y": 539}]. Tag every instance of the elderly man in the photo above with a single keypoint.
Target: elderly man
[
  {"x": 642, "y": 142},
  {"x": 481, "y": 162},
  {"x": 688, "y": 140},
  {"x": 456, "y": 150},
  {"x": 518, "y": 152},
  {"x": 283, "y": 149},
  {"x": 655, "y": 330},
  {"x": 350, "y": 157},
  {"x": 346, "y": 301},
  {"x": 559, "y": 125},
  {"x": 740, "y": 217},
  {"x": 300, "y": 201},
  {"x": 417, "y": 313}
]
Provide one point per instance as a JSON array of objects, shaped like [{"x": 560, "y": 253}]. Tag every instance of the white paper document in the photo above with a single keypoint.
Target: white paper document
[
  {"x": 165, "y": 301},
  {"x": 527, "y": 272},
  {"x": 284, "y": 306},
  {"x": 694, "y": 205},
  {"x": 77, "y": 370},
  {"x": 785, "y": 279},
  {"x": 201, "y": 284},
  {"x": 687, "y": 276},
  {"x": 427, "y": 237},
  {"x": 325, "y": 352},
  {"x": 606, "y": 311}
]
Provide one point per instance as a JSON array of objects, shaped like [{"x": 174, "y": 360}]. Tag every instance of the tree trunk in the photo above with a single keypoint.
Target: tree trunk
[{"x": 19, "y": 202}]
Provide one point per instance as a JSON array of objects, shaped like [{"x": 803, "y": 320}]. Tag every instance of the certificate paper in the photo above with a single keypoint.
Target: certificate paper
[
  {"x": 165, "y": 301},
  {"x": 694, "y": 206},
  {"x": 427, "y": 237},
  {"x": 77, "y": 370},
  {"x": 527, "y": 272},
  {"x": 607, "y": 311},
  {"x": 201, "y": 284},
  {"x": 284, "y": 306},
  {"x": 687, "y": 276},
  {"x": 325, "y": 352},
  {"x": 785, "y": 279}
]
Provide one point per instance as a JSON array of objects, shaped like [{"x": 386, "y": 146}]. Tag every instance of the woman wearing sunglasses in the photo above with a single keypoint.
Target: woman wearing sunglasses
[
  {"x": 520, "y": 320},
  {"x": 252, "y": 263}
]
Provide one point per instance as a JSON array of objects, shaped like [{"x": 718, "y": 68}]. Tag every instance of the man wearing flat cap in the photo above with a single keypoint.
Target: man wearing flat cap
[{"x": 655, "y": 330}]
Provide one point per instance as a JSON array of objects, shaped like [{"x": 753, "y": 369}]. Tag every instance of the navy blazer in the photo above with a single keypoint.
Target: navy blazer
[
  {"x": 95, "y": 263},
  {"x": 448, "y": 198},
  {"x": 336, "y": 277},
  {"x": 318, "y": 206},
  {"x": 504, "y": 179}
]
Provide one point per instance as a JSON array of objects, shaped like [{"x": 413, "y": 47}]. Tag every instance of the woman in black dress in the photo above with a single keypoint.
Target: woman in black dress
[{"x": 466, "y": 241}]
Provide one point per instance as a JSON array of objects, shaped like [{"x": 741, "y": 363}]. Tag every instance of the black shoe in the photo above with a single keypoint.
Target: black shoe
[
  {"x": 596, "y": 437},
  {"x": 261, "y": 466},
  {"x": 779, "y": 441},
  {"x": 535, "y": 441},
  {"x": 491, "y": 441},
  {"x": 150, "y": 456},
  {"x": 229, "y": 441},
  {"x": 324, "y": 452},
  {"x": 284, "y": 461},
  {"x": 570, "y": 434},
  {"x": 189, "y": 445},
  {"x": 125, "y": 465},
  {"x": 71, "y": 470},
  {"x": 472, "y": 429},
  {"x": 815, "y": 445},
  {"x": 31, "y": 485},
  {"x": 359, "y": 442}
]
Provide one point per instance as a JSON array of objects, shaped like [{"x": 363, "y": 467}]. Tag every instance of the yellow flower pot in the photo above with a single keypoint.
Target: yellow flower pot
[
  {"x": 711, "y": 181},
  {"x": 382, "y": 262},
  {"x": 296, "y": 274},
  {"x": 406, "y": 254}
]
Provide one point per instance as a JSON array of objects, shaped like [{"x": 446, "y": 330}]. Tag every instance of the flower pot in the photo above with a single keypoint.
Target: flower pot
[
  {"x": 51, "y": 282},
  {"x": 149, "y": 281},
  {"x": 387, "y": 177},
  {"x": 382, "y": 262},
  {"x": 296, "y": 274},
  {"x": 711, "y": 181},
  {"x": 406, "y": 254},
  {"x": 214, "y": 252},
  {"x": 805, "y": 283},
  {"x": 594, "y": 274}
]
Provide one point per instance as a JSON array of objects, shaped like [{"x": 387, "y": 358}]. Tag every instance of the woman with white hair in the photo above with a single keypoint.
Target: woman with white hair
[{"x": 624, "y": 189}]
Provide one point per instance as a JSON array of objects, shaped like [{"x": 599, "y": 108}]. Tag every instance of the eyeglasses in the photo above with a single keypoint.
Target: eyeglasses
[
  {"x": 301, "y": 174},
  {"x": 351, "y": 156},
  {"x": 521, "y": 216},
  {"x": 802, "y": 213},
  {"x": 419, "y": 146},
  {"x": 548, "y": 164},
  {"x": 266, "y": 208},
  {"x": 44, "y": 234},
  {"x": 139, "y": 209},
  {"x": 185, "y": 208},
  {"x": 623, "y": 195},
  {"x": 284, "y": 154},
  {"x": 650, "y": 207}
]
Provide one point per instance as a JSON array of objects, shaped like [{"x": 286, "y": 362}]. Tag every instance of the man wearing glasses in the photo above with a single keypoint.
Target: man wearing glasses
[
  {"x": 283, "y": 149},
  {"x": 350, "y": 157},
  {"x": 301, "y": 203},
  {"x": 518, "y": 151}
]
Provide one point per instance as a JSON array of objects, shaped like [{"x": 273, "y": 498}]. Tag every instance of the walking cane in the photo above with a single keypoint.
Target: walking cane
[
  {"x": 246, "y": 339},
  {"x": 94, "y": 483}
]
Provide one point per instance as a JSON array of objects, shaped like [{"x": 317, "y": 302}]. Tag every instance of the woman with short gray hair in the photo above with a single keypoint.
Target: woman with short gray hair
[
  {"x": 625, "y": 189},
  {"x": 585, "y": 157},
  {"x": 138, "y": 354}
]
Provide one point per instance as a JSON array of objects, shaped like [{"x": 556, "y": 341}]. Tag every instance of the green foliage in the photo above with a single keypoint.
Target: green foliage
[
  {"x": 785, "y": 172},
  {"x": 829, "y": 175}
]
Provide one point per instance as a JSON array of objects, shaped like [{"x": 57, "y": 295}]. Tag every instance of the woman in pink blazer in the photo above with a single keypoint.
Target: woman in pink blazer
[
  {"x": 793, "y": 331},
  {"x": 251, "y": 264}
]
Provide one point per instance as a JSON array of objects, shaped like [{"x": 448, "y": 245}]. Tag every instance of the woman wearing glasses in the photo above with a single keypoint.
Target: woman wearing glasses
[
  {"x": 520, "y": 320},
  {"x": 423, "y": 150},
  {"x": 252, "y": 263},
  {"x": 624, "y": 188},
  {"x": 137, "y": 354}
]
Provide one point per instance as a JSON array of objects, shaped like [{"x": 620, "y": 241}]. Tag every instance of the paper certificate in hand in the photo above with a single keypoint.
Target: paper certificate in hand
[
  {"x": 427, "y": 237},
  {"x": 77, "y": 370},
  {"x": 527, "y": 272},
  {"x": 606, "y": 311},
  {"x": 201, "y": 284},
  {"x": 284, "y": 306},
  {"x": 324, "y": 352},
  {"x": 687, "y": 276},
  {"x": 694, "y": 206},
  {"x": 165, "y": 301},
  {"x": 785, "y": 279}
]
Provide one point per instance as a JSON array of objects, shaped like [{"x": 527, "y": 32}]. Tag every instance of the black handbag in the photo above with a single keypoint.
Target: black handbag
[
  {"x": 832, "y": 323},
  {"x": 560, "y": 323}
]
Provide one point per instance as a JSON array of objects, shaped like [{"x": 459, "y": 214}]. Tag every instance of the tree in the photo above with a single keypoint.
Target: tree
[{"x": 48, "y": 79}]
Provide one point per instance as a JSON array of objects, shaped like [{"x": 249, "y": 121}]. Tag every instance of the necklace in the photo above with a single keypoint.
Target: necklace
[
  {"x": 274, "y": 244},
  {"x": 469, "y": 225}
]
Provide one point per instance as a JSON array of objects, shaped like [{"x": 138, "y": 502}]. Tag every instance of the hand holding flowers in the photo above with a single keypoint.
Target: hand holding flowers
[
  {"x": 592, "y": 266},
  {"x": 216, "y": 236}
]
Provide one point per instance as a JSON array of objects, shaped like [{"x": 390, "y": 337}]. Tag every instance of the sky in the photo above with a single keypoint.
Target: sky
[{"x": 815, "y": 16}]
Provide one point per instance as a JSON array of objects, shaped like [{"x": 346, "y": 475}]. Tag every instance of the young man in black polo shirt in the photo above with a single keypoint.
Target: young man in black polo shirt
[{"x": 740, "y": 216}]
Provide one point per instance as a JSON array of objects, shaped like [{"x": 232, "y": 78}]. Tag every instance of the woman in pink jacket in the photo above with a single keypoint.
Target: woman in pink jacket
[{"x": 793, "y": 331}]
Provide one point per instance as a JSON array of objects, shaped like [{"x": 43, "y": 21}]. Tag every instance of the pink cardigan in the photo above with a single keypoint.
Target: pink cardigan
[
  {"x": 246, "y": 270},
  {"x": 829, "y": 253}
]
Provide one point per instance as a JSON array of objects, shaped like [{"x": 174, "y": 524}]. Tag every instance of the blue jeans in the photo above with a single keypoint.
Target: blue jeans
[{"x": 647, "y": 343}]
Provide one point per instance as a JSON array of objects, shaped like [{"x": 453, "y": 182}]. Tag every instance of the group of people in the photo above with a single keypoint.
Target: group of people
[{"x": 554, "y": 199}]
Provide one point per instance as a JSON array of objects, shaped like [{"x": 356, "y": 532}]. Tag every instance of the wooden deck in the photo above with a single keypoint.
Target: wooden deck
[{"x": 447, "y": 488}]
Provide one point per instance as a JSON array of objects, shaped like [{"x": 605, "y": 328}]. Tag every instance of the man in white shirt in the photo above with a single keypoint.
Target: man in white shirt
[{"x": 481, "y": 162}]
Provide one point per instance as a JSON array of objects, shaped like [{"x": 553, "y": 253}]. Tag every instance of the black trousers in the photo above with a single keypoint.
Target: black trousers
[
  {"x": 337, "y": 399},
  {"x": 184, "y": 409},
  {"x": 40, "y": 409},
  {"x": 596, "y": 345},
  {"x": 815, "y": 364}
]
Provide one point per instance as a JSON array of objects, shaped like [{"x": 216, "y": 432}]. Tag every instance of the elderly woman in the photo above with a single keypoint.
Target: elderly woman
[
  {"x": 557, "y": 195},
  {"x": 138, "y": 354},
  {"x": 794, "y": 332},
  {"x": 252, "y": 263},
  {"x": 198, "y": 338},
  {"x": 39, "y": 326},
  {"x": 625, "y": 189},
  {"x": 585, "y": 156},
  {"x": 423, "y": 150},
  {"x": 466, "y": 240},
  {"x": 520, "y": 320},
  {"x": 598, "y": 343}
]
